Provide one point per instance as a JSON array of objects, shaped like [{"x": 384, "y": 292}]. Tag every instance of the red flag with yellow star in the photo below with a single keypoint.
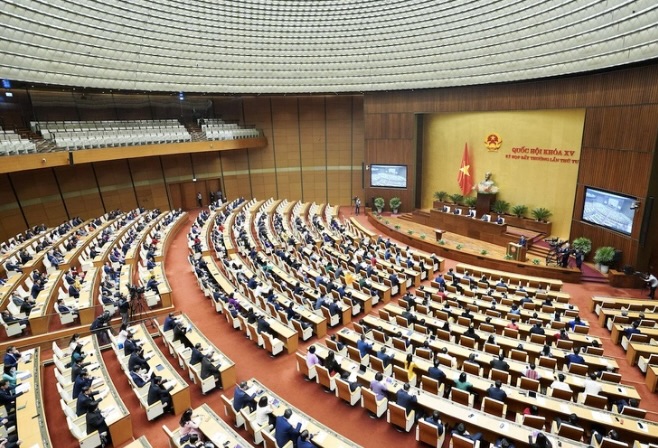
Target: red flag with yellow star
[{"x": 464, "y": 178}]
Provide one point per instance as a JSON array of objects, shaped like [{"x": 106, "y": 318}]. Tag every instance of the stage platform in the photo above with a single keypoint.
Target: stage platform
[{"x": 471, "y": 250}]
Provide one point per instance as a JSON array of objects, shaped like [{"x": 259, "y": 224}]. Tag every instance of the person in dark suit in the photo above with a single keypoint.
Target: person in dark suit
[
  {"x": 197, "y": 354},
  {"x": 304, "y": 440},
  {"x": 7, "y": 397},
  {"x": 84, "y": 402},
  {"x": 385, "y": 357},
  {"x": 208, "y": 369},
  {"x": 537, "y": 329},
  {"x": 284, "y": 431},
  {"x": 242, "y": 399},
  {"x": 169, "y": 322},
  {"x": 435, "y": 371},
  {"x": 12, "y": 355},
  {"x": 496, "y": 392},
  {"x": 77, "y": 368},
  {"x": 574, "y": 357},
  {"x": 130, "y": 346},
  {"x": 139, "y": 378},
  {"x": 137, "y": 360},
  {"x": 406, "y": 400},
  {"x": 500, "y": 363},
  {"x": 633, "y": 329},
  {"x": 96, "y": 422},
  {"x": 435, "y": 419},
  {"x": 364, "y": 346},
  {"x": 83, "y": 380},
  {"x": 157, "y": 392}
]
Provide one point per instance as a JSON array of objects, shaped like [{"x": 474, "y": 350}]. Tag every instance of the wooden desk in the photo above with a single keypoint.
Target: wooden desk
[
  {"x": 163, "y": 285},
  {"x": 194, "y": 336},
  {"x": 635, "y": 350},
  {"x": 167, "y": 234},
  {"x": 142, "y": 442},
  {"x": 88, "y": 294},
  {"x": 452, "y": 413},
  {"x": 651, "y": 379},
  {"x": 617, "y": 332},
  {"x": 40, "y": 315},
  {"x": 599, "y": 302},
  {"x": 531, "y": 283},
  {"x": 30, "y": 413},
  {"x": 287, "y": 335},
  {"x": 180, "y": 394},
  {"x": 324, "y": 437},
  {"x": 517, "y": 399},
  {"x": 119, "y": 421},
  {"x": 213, "y": 428}
]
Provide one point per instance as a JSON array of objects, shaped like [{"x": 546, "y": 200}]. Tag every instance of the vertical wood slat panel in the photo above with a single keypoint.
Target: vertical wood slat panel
[
  {"x": 116, "y": 185},
  {"x": 625, "y": 128},
  {"x": 11, "y": 217},
  {"x": 39, "y": 196},
  {"x": 80, "y": 192}
]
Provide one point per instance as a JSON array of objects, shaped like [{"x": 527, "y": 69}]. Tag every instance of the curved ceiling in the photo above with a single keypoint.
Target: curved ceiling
[{"x": 301, "y": 46}]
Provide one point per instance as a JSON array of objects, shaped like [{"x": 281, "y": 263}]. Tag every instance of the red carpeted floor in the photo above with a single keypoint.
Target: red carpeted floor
[{"x": 280, "y": 373}]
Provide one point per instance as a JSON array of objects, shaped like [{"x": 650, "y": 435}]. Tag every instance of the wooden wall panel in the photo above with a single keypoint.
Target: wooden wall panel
[
  {"x": 597, "y": 165},
  {"x": 630, "y": 128},
  {"x": 177, "y": 168},
  {"x": 149, "y": 183},
  {"x": 80, "y": 191},
  {"x": 39, "y": 196},
  {"x": 11, "y": 217},
  {"x": 116, "y": 185},
  {"x": 207, "y": 165},
  {"x": 313, "y": 144}
]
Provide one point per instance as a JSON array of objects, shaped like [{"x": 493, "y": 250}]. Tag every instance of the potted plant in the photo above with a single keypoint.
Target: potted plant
[
  {"x": 379, "y": 204},
  {"x": 541, "y": 214},
  {"x": 456, "y": 198},
  {"x": 395, "y": 204},
  {"x": 470, "y": 201},
  {"x": 519, "y": 210},
  {"x": 583, "y": 244},
  {"x": 500, "y": 207},
  {"x": 604, "y": 256},
  {"x": 439, "y": 197}
]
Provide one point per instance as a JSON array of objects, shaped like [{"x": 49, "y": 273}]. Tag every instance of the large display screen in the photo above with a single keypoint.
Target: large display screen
[
  {"x": 611, "y": 210},
  {"x": 388, "y": 176}
]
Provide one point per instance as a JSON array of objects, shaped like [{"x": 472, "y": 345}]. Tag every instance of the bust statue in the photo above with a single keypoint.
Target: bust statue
[{"x": 487, "y": 186}]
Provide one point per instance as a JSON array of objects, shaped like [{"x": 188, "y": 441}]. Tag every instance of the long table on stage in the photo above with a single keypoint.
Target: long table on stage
[{"x": 470, "y": 227}]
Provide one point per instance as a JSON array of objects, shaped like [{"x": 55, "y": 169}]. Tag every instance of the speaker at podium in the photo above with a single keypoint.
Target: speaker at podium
[{"x": 516, "y": 251}]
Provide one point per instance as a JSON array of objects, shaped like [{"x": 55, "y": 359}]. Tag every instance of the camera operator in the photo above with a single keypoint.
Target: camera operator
[
  {"x": 99, "y": 327},
  {"x": 124, "y": 309}
]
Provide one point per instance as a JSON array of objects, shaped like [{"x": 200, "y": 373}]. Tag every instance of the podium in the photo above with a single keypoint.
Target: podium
[
  {"x": 516, "y": 251},
  {"x": 484, "y": 203}
]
